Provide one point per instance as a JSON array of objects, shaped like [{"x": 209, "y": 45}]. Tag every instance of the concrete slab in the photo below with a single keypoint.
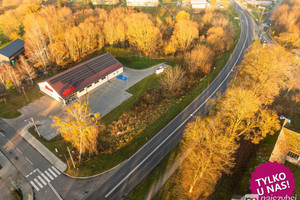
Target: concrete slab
[{"x": 111, "y": 94}]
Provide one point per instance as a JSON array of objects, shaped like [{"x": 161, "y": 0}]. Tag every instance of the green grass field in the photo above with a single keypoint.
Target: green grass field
[
  {"x": 17, "y": 100},
  {"x": 141, "y": 62}
]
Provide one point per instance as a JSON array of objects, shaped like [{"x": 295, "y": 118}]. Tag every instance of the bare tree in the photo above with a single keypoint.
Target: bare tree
[
  {"x": 173, "y": 80},
  {"x": 199, "y": 60},
  {"x": 28, "y": 70}
]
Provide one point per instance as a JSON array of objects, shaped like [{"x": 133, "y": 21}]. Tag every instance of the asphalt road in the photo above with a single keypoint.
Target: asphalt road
[
  {"x": 142, "y": 162},
  {"x": 116, "y": 184}
]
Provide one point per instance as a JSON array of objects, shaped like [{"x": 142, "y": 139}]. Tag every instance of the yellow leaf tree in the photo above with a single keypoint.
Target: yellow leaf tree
[{"x": 79, "y": 127}]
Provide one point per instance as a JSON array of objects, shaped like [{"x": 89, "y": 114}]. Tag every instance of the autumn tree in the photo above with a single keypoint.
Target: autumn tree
[
  {"x": 210, "y": 152},
  {"x": 13, "y": 75},
  {"x": 36, "y": 43},
  {"x": 268, "y": 69},
  {"x": 173, "y": 80},
  {"x": 286, "y": 24},
  {"x": 142, "y": 33},
  {"x": 218, "y": 39},
  {"x": 185, "y": 32},
  {"x": 199, "y": 60},
  {"x": 182, "y": 15},
  {"x": 79, "y": 127},
  {"x": 26, "y": 69}
]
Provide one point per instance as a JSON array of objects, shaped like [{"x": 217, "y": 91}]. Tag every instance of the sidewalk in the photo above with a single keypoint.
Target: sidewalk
[
  {"x": 61, "y": 166},
  {"x": 9, "y": 178}
]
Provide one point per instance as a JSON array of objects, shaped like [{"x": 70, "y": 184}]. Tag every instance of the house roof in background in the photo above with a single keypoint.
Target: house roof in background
[{"x": 12, "y": 48}]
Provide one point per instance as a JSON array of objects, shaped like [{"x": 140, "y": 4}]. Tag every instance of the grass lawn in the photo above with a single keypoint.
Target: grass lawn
[
  {"x": 9, "y": 110},
  {"x": 137, "y": 62},
  {"x": 56, "y": 142},
  {"x": 296, "y": 171}
]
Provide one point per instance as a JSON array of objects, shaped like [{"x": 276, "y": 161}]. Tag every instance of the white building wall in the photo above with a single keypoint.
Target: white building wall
[
  {"x": 105, "y": 2},
  {"x": 142, "y": 2},
  {"x": 101, "y": 81},
  {"x": 53, "y": 94}
]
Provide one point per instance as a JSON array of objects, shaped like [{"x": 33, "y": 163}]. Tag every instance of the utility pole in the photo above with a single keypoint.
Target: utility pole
[
  {"x": 67, "y": 161},
  {"x": 35, "y": 127},
  {"x": 71, "y": 158},
  {"x": 25, "y": 94}
]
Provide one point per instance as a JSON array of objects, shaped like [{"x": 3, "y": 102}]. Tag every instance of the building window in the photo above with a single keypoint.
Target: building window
[
  {"x": 89, "y": 86},
  {"x": 96, "y": 82},
  {"x": 103, "y": 78},
  {"x": 292, "y": 155},
  {"x": 81, "y": 90}
]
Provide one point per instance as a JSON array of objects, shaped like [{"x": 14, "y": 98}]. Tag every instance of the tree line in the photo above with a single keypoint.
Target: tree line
[
  {"x": 243, "y": 113},
  {"x": 58, "y": 36},
  {"x": 287, "y": 24}
]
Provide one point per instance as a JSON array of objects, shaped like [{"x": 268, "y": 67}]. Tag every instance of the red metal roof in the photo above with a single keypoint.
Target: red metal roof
[{"x": 72, "y": 80}]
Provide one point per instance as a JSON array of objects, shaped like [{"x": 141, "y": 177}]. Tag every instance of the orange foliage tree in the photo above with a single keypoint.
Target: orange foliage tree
[{"x": 79, "y": 127}]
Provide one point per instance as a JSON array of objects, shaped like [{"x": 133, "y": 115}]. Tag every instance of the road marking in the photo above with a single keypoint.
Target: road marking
[
  {"x": 55, "y": 170},
  {"x": 10, "y": 142},
  {"x": 27, "y": 176},
  {"x": 45, "y": 177},
  {"x": 52, "y": 172},
  {"x": 35, "y": 187},
  {"x": 2, "y": 134},
  {"x": 29, "y": 162},
  {"x": 49, "y": 175},
  {"x": 42, "y": 180},
  {"x": 41, "y": 186},
  {"x": 19, "y": 150},
  {"x": 131, "y": 172},
  {"x": 55, "y": 192}
]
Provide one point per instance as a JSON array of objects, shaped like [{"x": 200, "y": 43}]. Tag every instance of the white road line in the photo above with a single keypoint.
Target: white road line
[
  {"x": 19, "y": 150},
  {"x": 52, "y": 172},
  {"x": 55, "y": 192},
  {"x": 49, "y": 175},
  {"x": 45, "y": 177},
  {"x": 42, "y": 180},
  {"x": 27, "y": 176},
  {"x": 131, "y": 172},
  {"x": 41, "y": 186},
  {"x": 29, "y": 161},
  {"x": 34, "y": 185},
  {"x": 2, "y": 134},
  {"x": 55, "y": 170},
  {"x": 10, "y": 142}
]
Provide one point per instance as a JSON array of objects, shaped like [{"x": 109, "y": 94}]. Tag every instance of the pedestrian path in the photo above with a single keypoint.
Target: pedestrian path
[{"x": 39, "y": 179}]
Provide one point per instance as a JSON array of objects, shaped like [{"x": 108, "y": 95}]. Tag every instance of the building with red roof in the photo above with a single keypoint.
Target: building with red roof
[{"x": 81, "y": 79}]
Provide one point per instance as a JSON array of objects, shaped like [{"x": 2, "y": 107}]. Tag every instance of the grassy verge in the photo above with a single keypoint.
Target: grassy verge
[
  {"x": 17, "y": 100},
  {"x": 141, "y": 62},
  {"x": 58, "y": 142}
]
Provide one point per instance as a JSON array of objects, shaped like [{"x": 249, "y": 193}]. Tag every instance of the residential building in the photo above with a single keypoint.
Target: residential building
[
  {"x": 196, "y": 4},
  {"x": 81, "y": 79},
  {"x": 287, "y": 147},
  {"x": 105, "y": 2},
  {"x": 11, "y": 52},
  {"x": 149, "y": 3}
]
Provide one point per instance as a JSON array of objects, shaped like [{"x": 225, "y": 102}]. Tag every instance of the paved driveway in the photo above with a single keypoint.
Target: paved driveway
[
  {"x": 111, "y": 94},
  {"x": 103, "y": 99}
]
